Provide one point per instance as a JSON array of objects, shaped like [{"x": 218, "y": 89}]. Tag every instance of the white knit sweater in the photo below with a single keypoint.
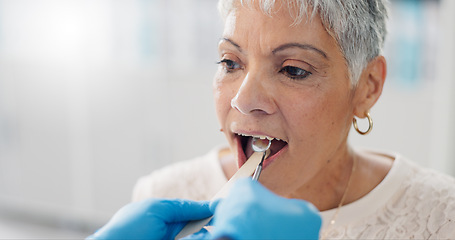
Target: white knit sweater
[{"x": 410, "y": 203}]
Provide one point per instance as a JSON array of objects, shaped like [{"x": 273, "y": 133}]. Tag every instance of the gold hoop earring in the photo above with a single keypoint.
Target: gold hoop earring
[{"x": 370, "y": 124}]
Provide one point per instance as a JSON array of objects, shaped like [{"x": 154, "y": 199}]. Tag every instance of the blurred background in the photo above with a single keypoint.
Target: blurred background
[{"x": 96, "y": 93}]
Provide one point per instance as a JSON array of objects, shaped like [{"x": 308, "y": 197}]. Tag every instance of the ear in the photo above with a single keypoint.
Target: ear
[{"x": 369, "y": 86}]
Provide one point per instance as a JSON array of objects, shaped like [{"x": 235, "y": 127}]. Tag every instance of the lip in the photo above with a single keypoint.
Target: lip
[{"x": 241, "y": 158}]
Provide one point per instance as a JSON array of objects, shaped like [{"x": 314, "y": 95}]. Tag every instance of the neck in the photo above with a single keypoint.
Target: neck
[{"x": 327, "y": 188}]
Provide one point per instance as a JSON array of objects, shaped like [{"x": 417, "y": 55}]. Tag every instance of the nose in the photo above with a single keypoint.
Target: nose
[{"x": 253, "y": 96}]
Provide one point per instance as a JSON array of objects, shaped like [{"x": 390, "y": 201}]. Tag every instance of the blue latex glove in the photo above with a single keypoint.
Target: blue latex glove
[
  {"x": 152, "y": 219},
  {"x": 253, "y": 212}
]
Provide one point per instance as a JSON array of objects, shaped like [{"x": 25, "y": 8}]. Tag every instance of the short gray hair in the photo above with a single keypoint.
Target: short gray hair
[{"x": 358, "y": 26}]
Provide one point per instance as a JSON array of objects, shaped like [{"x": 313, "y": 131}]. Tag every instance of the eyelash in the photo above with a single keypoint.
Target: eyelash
[
  {"x": 302, "y": 73},
  {"x": 227, "y": 65}
]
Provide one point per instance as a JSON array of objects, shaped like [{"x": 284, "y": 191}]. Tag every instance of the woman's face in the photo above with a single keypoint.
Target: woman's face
[{"x": 285, "y": 82}]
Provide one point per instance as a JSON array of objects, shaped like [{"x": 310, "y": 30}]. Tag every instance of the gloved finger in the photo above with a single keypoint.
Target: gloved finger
[
  {"x": 253, "y": 212},
  {"x": 246, "y": 186},
  {"x": 213, "y": 204},
  {"x": 245, "y": 190},
  {"x": 303, "y": 206},
  {"x": 179, "y": 210},
  {"x": 202, "y": 234}
]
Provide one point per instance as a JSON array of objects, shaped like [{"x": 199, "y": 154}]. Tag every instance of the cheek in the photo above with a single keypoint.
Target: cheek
[
  {"x": 315, "y": 115},
  {"x": 303, "y": 117}
]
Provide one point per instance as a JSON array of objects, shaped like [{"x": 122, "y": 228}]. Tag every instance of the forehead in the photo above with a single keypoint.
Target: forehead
[{"x": 254, "y": 29}]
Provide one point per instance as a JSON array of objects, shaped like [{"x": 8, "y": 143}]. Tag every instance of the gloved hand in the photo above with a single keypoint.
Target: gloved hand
[
  {"x": 253, "y": 212},
  {"x": 152, "y": 219}
]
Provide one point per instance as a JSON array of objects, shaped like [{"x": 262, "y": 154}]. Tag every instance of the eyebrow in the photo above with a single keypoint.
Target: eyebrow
[
  {"x": 284, "y": 47},
  {"x": 302, "y": 46},
  {"x": 233, "y": 43}
]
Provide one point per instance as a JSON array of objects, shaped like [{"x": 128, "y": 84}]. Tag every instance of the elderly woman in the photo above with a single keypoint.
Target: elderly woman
[{"x": 300, "y": 72}]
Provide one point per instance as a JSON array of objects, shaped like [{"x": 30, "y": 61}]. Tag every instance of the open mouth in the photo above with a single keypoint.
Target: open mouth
[{"x": 245, "y": 144}]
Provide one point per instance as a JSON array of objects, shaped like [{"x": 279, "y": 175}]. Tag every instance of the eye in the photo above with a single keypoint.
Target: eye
[
  {"x": 229, "y": 65},
  {"x": 295, "y": 72}
]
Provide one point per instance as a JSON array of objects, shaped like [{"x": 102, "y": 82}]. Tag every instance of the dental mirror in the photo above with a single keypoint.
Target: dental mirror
[{"x": 260, "y": 145}]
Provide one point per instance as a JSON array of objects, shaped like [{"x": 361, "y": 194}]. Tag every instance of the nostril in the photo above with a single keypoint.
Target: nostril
[
  {"x": 253, "y": 99},
  {"x": 235, "y": 105},
  {"x": 244, "y": 110}
]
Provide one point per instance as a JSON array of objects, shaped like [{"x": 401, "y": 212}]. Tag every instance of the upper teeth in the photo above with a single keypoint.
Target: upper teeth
[{"x": 259, "y": 136}]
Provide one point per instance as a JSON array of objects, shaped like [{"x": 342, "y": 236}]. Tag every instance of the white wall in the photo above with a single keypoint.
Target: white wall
[
  {"x": 416, "y": 111},
  {"x": 96, "y": 93}
]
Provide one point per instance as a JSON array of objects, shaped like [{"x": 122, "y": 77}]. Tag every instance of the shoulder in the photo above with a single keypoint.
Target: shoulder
[
  {"x": 412, "y": 202},
  {"x": 428, "y": 183},
  {"x": 196, "y": 179},
  {"x": 426, "y": 200}
]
